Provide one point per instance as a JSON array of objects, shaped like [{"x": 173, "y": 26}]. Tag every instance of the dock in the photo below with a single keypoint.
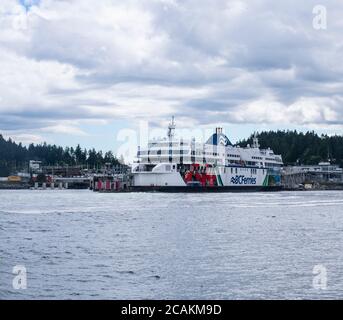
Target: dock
[
  {"x": 111, "y": 183},
  {"x": 323, "y": 176}
]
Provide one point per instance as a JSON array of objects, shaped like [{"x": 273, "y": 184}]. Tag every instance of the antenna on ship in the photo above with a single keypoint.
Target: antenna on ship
[
  {"x": 255, "y": 143},
  {"x": 171, "y": 128}
]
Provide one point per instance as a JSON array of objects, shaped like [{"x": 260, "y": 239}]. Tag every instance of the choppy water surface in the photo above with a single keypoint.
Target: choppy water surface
[{"x": 85, "y": 245}]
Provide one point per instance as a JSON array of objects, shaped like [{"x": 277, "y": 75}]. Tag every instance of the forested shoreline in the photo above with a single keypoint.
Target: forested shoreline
[
  {"x": 295, "y": 147},
  {"x": 301, "y": 148},
  {"x": 15, "y": 156}
]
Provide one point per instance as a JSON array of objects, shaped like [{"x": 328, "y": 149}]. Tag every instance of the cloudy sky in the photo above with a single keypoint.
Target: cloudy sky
[{"x": 80, "y": 70}]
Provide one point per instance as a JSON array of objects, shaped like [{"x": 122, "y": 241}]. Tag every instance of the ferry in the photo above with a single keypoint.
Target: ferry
[{"x": 178, "y": 165}]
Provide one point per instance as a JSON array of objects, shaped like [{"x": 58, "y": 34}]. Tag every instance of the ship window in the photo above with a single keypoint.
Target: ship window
[{"x": 167, "y": 167}]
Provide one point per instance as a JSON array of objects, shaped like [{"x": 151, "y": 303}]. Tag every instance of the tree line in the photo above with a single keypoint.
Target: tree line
[
  {"x": 301, "y": 148},
  {"x": 14, "y": 156},
  {"x": 295, "y": 147}
]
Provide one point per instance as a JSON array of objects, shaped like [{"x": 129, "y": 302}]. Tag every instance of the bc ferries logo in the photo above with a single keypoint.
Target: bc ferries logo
[
  {"x": 243, "y": 180},
  {"x": 223, "y": 140}
]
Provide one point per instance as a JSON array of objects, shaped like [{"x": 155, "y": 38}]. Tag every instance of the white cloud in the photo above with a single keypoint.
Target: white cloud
[
  {"x": 64, "y": 128},
  {"x": 24, "y": 138},
  {"x": 66, "y": 62}
]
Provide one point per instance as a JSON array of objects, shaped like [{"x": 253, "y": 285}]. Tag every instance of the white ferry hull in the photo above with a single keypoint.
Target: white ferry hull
[
  {"x": 223, "y": 177},
  {"x": 151, "y": 179},
  {"x": 216, "y": 189}
]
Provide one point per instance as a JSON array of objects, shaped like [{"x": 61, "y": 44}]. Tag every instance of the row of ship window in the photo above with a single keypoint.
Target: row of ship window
[
  {"x": 241, "y": 170},
  {"x": 159, "y": 152},
  {"x": 185, "y": 152},
  {"x": 249, "y": 163}
]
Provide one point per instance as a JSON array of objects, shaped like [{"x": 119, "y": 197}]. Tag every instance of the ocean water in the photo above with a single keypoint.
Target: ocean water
[{"x": 85, "y": 245}]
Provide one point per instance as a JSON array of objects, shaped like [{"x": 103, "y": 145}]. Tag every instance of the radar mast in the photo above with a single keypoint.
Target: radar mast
[{"x": 171, "y": 128}]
